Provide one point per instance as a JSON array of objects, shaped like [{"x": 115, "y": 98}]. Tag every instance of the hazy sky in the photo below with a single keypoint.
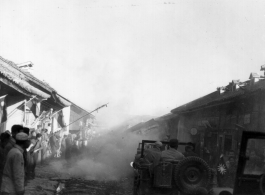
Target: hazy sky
[{"x": 143, "y": 57}]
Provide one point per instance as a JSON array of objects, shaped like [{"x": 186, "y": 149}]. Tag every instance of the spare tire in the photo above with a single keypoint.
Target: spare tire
[{"x": 192, "y": 173}]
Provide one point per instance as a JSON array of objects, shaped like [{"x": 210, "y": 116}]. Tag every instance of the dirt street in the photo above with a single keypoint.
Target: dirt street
[
  {"x": 50, "y": 180},
  {"x": 44, "y": 183}
]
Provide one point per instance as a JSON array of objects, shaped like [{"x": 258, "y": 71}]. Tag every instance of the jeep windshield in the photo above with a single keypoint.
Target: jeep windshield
[
  {"x": 255, "y": 157},
  {"x": 250, "y": 164}
]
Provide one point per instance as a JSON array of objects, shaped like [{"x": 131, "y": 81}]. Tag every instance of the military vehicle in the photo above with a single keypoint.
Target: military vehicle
[
  {"x": 189, "y": 176},
  {"x": 250, "y": 177}
]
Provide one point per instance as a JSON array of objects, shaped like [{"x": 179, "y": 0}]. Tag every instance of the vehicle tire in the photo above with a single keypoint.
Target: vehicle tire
[
  {"x": 191, "y": 174},
  {"x": 225, "y": 193}
]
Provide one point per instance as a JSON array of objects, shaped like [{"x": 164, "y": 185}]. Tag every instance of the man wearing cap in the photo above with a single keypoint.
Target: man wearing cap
[
  {"x": 14, "y": 174},
  {"x": 11, "y": 141},
  {"x": 153, "y": 154},
  {"x": 172, "y": 153},
  {"x": 15, "y": 129}
]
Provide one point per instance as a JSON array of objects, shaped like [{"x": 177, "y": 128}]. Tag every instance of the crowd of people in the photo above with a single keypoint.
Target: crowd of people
[{"x": 23, "y": 148}]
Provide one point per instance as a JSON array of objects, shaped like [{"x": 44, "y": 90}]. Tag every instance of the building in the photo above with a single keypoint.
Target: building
[
  {"x": 81, "y": 122},
  {"x": 157, "y": 128},
  {"x": 26, "y": 100},
  {"x": 16, "y": 89},
  {"x": 215, "y": 121}
]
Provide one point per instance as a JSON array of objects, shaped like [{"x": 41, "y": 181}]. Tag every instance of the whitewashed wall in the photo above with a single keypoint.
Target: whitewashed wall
[{"x": 16, "y": 118}]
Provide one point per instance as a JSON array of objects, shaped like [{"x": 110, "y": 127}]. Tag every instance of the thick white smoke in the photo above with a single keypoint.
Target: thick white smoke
[{"x": 107, "y": 157}]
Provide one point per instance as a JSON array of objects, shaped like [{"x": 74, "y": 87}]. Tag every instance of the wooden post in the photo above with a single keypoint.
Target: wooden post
[{"x": 24, "y": 120}]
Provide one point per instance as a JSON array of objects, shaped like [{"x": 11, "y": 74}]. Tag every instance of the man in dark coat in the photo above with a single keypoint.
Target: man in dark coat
[
  {"x": 153, "y": 155},
  {"x": 68, "y": 147},
  {"x": 172, "y": 153},
  {"x": 14, "y": 173},
  {"x": 4, "y": 138}
]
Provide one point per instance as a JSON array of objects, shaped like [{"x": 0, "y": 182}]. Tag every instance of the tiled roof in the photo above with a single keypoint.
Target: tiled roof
[
  {"x": 39, "y": 82},
  {"x": 198, "y": 102},
  {"x": 27, "y": 75},
  {"x": 12, "y": 73},
  {"x": 216, "y": 97},
  {"x": 142, "y": 125},
  {"x": 136, "y": 127},
  {"x": 166, "y": 117}
]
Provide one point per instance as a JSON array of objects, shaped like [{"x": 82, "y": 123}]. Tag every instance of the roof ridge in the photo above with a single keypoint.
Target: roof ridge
[{"x": 28, "y": 74}]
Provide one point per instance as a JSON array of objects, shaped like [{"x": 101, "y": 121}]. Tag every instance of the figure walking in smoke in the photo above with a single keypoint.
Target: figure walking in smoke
[
  {"x": 44, "y": 143},
  {"x": 53, "y": 144},
  {"x": 63, "y": 146},
  {"x": 34, "y": 150},
  {"x": 68, "y": 145}
]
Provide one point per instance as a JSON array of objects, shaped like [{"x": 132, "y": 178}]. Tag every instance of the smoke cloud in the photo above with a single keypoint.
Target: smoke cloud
[{"x": 107, "y": 157}]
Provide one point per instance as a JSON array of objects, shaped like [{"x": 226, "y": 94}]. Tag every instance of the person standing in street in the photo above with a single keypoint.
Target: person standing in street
[
  {"x": 68, "y": 147},
  {"x": 14, "y": 173},
  {"x": 57, "y": 144},
  {"x": 52, "y": 144},
  {"x": 4, "y": 138},
  {"x": 44, "y": 142},
  {"x": 15, "y": 129},
  {"x": 63, "y": 146},
  {"x": 25, "y": 153},
  {"x": 34, "y": 149},
  {"x": 10, "y": 143}
]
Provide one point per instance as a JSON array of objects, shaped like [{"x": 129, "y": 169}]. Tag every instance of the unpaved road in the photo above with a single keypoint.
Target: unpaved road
[
  {"x": 80, "y": 187},
  {"x": 51, "y": 181}
]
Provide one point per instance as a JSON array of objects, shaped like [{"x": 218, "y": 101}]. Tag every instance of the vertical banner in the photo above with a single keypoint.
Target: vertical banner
[
  {"x": 3, "y": 113},
  {"x": 59, "y": 116},
  {"x": 34, "y": 107},
  {"x": 24, "y": 118}
]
